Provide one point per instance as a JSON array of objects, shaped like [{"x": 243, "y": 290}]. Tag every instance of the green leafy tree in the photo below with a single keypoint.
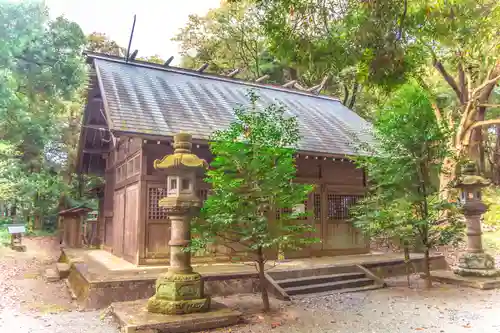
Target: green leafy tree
[
  {"x": 252, "y": 177},
  {"x": 101, "y": 43},
  {"x": 386, "y": 43},
  {"x": 403, "y": 168},
  {"x": 42, "y": 71},
  {"x": 227, "y": 38},
  {"x": 155, "y": 59}
]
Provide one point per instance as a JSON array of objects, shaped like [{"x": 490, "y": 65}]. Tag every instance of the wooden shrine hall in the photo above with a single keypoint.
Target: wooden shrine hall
[{"x": 133, "y": 110}]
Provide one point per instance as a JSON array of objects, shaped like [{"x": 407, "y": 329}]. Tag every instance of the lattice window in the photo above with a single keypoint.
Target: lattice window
[
  {"x": 281, "y": 211},
  {"x": 317, "y": 206},
  {"x": 155, "y": 212},
  {"x": 338, "y": 206},
  {"x": 203, "y": 195}
]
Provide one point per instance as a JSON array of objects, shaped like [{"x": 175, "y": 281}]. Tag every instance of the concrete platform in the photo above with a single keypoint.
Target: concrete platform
[
  {"x": 98, "y": 278},
  {"x": 134, "y": 318},
  {"x": 444, "y": 276}
]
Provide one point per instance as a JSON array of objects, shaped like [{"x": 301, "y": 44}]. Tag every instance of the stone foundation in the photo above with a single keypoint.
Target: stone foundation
[
  {"x": 448, "y": 277},
  {"x": 134, "y": 318},
  {"x": 100, "y": 294}
]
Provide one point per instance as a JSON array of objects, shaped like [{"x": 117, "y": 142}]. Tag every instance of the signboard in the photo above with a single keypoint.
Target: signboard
[
  {"x": 299, "y": 209},
  {"x": 92, "y": 216},
  {"x": 16, "y": 228}
]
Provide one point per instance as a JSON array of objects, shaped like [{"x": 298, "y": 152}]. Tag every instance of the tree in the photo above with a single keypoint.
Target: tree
[
  {"x": 252, "y": 177},
  {"x": 389, "y": 42},
  {"x": 403, "y": 167},
  {"x": 229, "y": 38},
  {"x": 155, "y": 59},
  {"x": 42, "y": 72},
  {"x": 461, "y": 39},
  {"x": 101, "y": 43}
]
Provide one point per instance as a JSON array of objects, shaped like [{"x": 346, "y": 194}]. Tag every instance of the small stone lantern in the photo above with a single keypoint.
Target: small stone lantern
[
  {"x": 474, "y": 262},
  {"x": 180, "y": 290}
]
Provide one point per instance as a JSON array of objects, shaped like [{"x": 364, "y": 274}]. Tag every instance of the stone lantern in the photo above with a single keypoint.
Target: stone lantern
[
  {"x": 474, "y": 262},
  {"x": 180, "y": 290}
]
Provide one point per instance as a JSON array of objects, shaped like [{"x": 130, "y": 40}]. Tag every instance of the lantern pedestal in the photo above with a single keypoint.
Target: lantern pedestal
[
  {"x": 180, "y": 290},
  {"x": 475, "y": 268},
  {"x": 179, "y": 303},
  {"x": 476, "y": 264},
  {"x": 178, "y": 293}
]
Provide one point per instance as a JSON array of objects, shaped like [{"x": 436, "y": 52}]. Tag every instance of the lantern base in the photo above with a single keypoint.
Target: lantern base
[
  {"x": 179, "y": 293},
  {"x": 162, "y": 306},
  {"x": 476, "y": 264}
]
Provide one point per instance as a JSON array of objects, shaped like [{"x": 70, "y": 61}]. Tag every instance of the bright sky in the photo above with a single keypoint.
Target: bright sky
[{"x": 157, "y": 20}]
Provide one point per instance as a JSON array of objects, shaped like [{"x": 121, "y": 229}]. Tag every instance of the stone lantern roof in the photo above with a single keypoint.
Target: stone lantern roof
[
  {"x": 470, "y": 178},
  {"x": 182, "y": 156}
]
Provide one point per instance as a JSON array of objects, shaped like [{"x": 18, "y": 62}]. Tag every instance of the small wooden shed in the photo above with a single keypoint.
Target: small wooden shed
[{"x": 71, "y": 224}]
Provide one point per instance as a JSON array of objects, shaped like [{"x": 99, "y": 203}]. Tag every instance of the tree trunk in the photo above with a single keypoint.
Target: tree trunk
[
  {"x": 477, "y": 145},
  {"x": 37, "y": 222},
  {"x": 262, "y": 280},
  {"x": 495, "y": 167},
  {"x": 406, "y": 250},
  {"x": 447, "y": 175},
  {"x": 427, "y": 268}
]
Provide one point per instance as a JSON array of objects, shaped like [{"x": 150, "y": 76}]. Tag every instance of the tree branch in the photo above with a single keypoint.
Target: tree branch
[
  {"x": 484, "y": 123},
  {"x": 489, "y": 105},
  {"x": 437, "y": 112},
  {"x": 462, "y": 82},
  {"x": 490, "y": 81},
  {"x": 402, "y": 19},
  {"x": 448, "y": 78},
  {"x": 346, "y": 94}
]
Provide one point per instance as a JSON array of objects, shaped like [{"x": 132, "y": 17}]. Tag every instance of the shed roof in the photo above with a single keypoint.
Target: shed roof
[
  {"x": 151, "y": 99},
  {"x": 79, "y": 210}
]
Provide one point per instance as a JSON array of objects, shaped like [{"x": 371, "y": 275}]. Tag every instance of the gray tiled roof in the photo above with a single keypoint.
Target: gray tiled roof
[{"x": 164, "y": 101}]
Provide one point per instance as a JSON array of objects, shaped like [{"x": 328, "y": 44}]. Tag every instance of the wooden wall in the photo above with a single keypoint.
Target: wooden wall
[{"x": 133, "y": 188}]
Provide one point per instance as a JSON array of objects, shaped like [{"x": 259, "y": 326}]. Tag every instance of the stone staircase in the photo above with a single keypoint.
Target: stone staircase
[
  {"x": 321, "y": 282},
  {"x": 60, "y": 271}
]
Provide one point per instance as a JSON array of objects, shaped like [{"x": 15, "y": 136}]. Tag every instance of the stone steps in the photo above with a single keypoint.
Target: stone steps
[
  {"x": 58, "y": 272},
  {"x": 313, "y": 280},
  {"x": 328, "y": 286},
  {"x": 340, "y": 291},
  {"x": 347, "y": 279}
]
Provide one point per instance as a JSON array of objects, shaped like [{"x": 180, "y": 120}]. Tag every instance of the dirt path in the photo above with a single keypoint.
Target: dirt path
[{"x": 29, "y": 304}]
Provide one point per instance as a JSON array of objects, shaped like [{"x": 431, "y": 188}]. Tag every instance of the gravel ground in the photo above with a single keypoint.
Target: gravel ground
[{"x": 29, "y": 304}]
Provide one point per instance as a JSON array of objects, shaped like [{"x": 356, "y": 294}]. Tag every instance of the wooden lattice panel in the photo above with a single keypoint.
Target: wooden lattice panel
[
  {"x": 203, "y": 195},
  {"x": 317, "y": 206},
  {"x": 338, "y": 205},
  {"x": 281, "y": 211},
  {"x": 155, "y": 212}
]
